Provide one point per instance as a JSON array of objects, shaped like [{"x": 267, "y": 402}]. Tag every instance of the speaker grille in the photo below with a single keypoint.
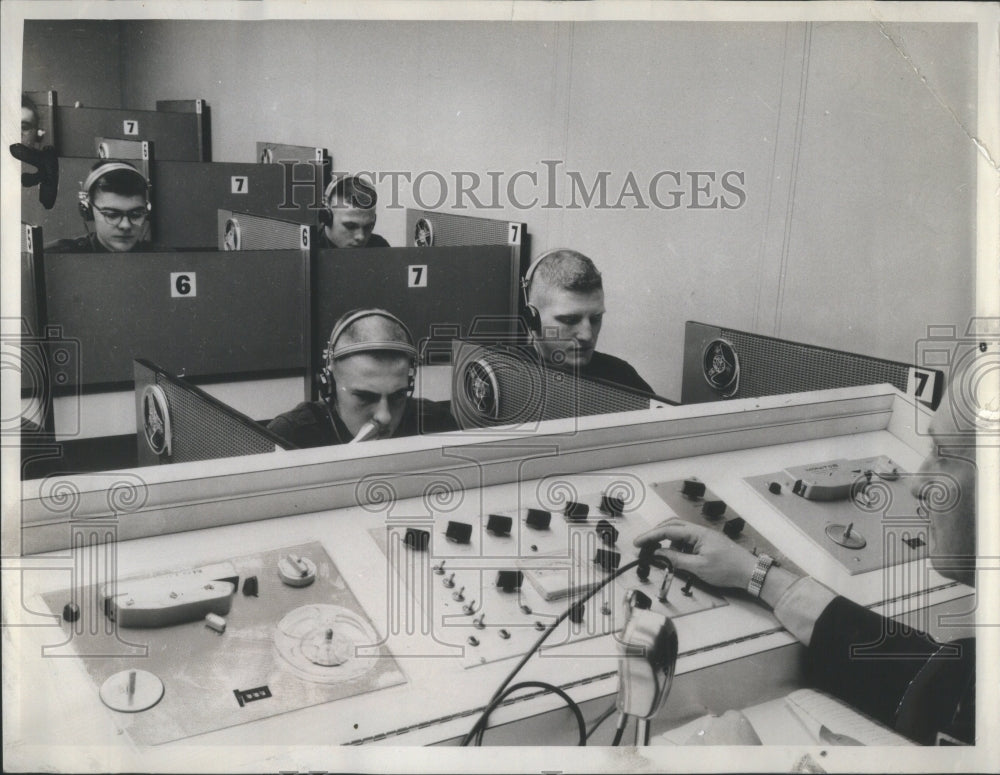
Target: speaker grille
[
  {"x": 258, "y": 232},
  {"x": 457, "y": 230},
  {"x": 201, "y": 429},
  {"x": 773, "y": 367},
  {"x": 497, "y": 386}
]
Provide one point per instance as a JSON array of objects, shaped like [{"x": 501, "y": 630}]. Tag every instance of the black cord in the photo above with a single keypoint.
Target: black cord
[
  {"x": 602, "y": 718},
  {"x": 480, "y": 725},
  {"x": 477, "y": 728},
  {"x": 620, "y": 729}
]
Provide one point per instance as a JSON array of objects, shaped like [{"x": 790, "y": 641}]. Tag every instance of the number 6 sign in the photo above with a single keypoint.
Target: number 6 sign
[{"x": 183, "y": 285}]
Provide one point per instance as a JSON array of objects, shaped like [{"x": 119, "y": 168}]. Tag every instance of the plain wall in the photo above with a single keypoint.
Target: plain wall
[
  {"x": 853, "y": 139},
  {"x": 79, "y": 60}
]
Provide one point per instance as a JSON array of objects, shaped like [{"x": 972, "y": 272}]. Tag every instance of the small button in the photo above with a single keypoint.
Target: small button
[
  {"x": 473, "y": 640},
  {"x": 539, "y": 626},
  {"x": 504, "y": 634}
]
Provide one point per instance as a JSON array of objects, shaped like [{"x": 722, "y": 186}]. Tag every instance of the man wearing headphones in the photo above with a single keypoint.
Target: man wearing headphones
[
  {"x": 115, "y": 199},
  {"x": 564, "y": 298},
  {"x": 367, "y": 385},
  {"x": 348, "y": 216}
]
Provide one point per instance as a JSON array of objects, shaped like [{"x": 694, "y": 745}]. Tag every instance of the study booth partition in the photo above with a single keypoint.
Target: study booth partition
[
  {"x": 179, "y": 135},
  {"x": 723, "y": 363},
  {"x": 179, "y": 422},
  {"x": 440, "y": 293},
  {"x": 234, "y": 323},
  {"x": 429, "y": 228}
]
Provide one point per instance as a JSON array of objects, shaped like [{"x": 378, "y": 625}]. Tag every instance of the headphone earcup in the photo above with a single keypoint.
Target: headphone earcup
[
  {"x": 532, "y": 320},
  {"x": 86, "y": 211},
  {"x": 327, "y": 384},
  {"x": 325, "y": 217}
]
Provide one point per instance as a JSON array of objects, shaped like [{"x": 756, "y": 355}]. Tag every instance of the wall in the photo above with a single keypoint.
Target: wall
[
  {"x": 857, "y": 227},
  {"x": 79, "y": 60}
]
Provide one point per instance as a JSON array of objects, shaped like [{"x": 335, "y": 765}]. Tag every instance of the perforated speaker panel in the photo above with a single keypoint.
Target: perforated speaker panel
[
  {"x": 454, "y": 230},
  {"x": 202, "y": 428},
  {"x": 498, "y": 386},
  {"x": 770, "y": 366},
  {"x": 259, "y": 233}
]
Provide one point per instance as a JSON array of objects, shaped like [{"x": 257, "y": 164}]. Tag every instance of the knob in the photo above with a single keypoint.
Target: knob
[
  {"x": 692, "y": 488},
  {"x": 734, "y": 527},
  {"x": 774, "y": 488},
  {"x": 576, "y": 612},
  {"x": 713, "y": 509},
  {"x": 71, "y": 612}
]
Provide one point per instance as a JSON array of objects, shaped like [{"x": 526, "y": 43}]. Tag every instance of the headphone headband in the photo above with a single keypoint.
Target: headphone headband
[
  {"x": 340, "y": 182},
  {"x": 333, "y": 352},
  {"x": 104, "y": 169},
  {"x": 530, "y": 274}
]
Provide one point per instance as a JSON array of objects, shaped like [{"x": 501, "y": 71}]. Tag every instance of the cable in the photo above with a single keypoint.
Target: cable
[
  {"x": 601, "y": 719},
  {"x": 620, "y": 729},
  {"x": 477, "y": 728},
  {"x": 480, "y": 725}
]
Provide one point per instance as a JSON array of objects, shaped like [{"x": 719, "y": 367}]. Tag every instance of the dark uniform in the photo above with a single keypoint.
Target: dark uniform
[
  {"x": 90, "y": 244},
  {"x": 313, "y": 424},
  {"x": 374, "y": 241}
]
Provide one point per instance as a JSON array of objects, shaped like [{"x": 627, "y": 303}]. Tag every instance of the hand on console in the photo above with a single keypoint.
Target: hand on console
[
  {"x": 714, "y": 558},
  {"x": 731, "y": 728}
]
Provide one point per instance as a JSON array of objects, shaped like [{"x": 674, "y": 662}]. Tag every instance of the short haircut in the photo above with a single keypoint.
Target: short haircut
[
  {"x": 121, "y": 182},
  {"x": 351, "y": 191},
  {"x": 372, "y": 328},
  {"x": 569, "y": 270}
]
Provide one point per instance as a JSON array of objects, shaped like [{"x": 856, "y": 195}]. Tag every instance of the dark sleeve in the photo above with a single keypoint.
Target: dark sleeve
[
  {"x": 303, "y": 426},
  {"x": 377, "y": 241},
  {"x": 66, "y": 246},
  {"x": 436, "y": 417},
  {"x": 631, "y": 378},
  {"x": 865, "y": 659}
]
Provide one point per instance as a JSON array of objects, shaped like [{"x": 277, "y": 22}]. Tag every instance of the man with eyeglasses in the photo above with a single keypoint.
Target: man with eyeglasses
[{"x": 115, "y": 199}]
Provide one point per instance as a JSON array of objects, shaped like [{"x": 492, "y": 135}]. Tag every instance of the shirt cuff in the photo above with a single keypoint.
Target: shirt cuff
[{"x": 801, "y": 605}]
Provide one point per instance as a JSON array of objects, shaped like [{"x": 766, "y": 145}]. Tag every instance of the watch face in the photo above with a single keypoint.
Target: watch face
[
  {"x": 156, "y": 419},
  {"x": 720, "y": 365},
  {"x": 481, "y": 389},
  {"x": 423, "y": 234}
]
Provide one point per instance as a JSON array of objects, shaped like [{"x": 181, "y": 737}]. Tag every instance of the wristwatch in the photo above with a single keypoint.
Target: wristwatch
[{"x": 756, "y": 584}]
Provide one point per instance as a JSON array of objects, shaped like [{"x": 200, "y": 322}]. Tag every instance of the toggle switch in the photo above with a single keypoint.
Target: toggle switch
[
  {"x": 449, "y": 581},
  {"x": 439, "y": 568}
]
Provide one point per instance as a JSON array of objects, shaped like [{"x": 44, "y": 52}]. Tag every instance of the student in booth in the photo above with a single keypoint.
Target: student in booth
[
  {"x": 348, "y": 217},
  {"x": 899, "y": 676},
  {"x": 564, "y": 296},
  {"x": 367, "y": 388},
  {"x": 31, "y": 131},
  {"x": 114, "y": 199}
]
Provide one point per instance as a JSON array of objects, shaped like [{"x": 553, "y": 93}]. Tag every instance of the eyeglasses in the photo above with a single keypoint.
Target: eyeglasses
[{"x": 135, "y": 216}]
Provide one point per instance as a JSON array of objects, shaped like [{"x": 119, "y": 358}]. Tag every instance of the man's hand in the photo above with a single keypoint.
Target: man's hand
[
  {"x": 713, "y": 557},
  {"x": 46, "y": 162}
]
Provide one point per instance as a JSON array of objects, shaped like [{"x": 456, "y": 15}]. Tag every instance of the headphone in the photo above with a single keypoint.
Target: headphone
[
  {"x": 100, "y": 170},
  {"x": 532, "y": 319},
  {"x": 337, "y": 186},
  {"x": 335, "y": 351}
]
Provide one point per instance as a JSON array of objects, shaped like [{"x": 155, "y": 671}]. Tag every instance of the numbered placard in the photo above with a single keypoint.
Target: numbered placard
[
  {"x": 304, "y": 237},
  {"x": 416, "y": 276},
  {"x": 925, "y": 385},
  {"x": 130, "y": 126},
  {"x": 514, "y": 233},
  {"x": 183, "y": 285},
  {"x": 29, "y": 239},
  {"x": 239, "y": 184}
]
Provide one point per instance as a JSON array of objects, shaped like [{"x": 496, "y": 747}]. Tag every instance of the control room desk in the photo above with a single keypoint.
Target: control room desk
[{"x": 730, "y": 656}]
